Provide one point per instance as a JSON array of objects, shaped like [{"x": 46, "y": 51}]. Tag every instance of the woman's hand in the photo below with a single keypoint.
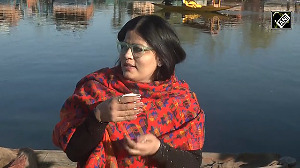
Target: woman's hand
[
  {"x": 119, "y": 109},
  {"x": 145, "y": 145}
]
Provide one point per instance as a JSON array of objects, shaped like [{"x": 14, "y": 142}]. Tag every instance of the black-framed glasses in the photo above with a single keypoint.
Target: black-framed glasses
[{"x": 136, "y": 49}]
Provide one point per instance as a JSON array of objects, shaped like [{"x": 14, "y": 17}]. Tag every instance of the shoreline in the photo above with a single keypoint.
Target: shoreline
[{"x": 58, "y": 159}]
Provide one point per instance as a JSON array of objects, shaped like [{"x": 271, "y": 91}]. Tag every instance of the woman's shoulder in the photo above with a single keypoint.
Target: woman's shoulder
[
  {"x": 180, "y": 83},
  {"x": 101, "y": 72},
  {"x": 101, "y": 75}
]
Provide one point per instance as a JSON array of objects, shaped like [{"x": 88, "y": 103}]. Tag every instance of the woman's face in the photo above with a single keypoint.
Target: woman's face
[{"x": 141, "y": 68}]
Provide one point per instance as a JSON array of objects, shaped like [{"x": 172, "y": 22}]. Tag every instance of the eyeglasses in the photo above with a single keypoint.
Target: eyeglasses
[{"x": 136, "y": 49}]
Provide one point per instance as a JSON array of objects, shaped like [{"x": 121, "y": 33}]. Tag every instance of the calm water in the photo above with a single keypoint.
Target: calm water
[{"x": 246, "y": 76}]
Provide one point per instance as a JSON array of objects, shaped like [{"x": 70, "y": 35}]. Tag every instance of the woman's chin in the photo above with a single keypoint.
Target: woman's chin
[{"x": 128, "y": 76}]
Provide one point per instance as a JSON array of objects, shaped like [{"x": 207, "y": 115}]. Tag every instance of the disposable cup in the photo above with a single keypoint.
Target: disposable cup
[{"x": 131, "y": 94}]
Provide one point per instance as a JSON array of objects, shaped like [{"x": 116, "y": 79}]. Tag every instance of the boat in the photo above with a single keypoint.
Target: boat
[{"x": 209, "y": 8}]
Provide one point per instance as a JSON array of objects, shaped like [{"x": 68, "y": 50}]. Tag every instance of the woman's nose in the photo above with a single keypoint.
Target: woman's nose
[{"x": 128, "y": 54}]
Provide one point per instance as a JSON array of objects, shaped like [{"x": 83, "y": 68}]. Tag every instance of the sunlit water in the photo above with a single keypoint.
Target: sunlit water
[{"x": 245, "y": 74}]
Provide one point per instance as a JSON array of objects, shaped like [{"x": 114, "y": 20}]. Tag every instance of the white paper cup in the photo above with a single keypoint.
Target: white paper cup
[{"x": 131, "y": 94}]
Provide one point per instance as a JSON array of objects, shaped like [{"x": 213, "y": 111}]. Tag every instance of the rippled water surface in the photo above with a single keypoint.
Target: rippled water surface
[{"x": 245, "y": 74}]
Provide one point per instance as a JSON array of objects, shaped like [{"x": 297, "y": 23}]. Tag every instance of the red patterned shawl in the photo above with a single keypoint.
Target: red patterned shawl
[{"x": 171, "y": 113}]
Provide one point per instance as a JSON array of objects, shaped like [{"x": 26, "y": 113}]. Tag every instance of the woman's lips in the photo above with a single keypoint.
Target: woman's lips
[{"x": 129, "y": 66}]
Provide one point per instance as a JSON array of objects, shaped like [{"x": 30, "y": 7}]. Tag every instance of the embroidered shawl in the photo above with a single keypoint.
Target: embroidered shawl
[{"x": 171, "y": 113}]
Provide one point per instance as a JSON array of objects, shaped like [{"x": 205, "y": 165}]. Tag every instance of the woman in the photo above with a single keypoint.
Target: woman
[{"x": 160, "y": 126}]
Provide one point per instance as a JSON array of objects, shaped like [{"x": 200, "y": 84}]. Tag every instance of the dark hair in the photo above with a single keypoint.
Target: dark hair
[{"x": 159, "y": 35}]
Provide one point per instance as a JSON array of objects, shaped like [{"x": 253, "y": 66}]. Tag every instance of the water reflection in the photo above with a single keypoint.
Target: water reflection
[
  {"x": 258, "y": 32},
  {"x": 207, "y": 22},
  {"x": 288, "y": 5},
  {"x": 72, "y": 14},
  {"x": 133, "y": 8},
  {"x": 76, "y": 14},
  {"x": 117, "y": 15},
  {"x": 10, "y": 14},
  {"x": 33, "y": 7},
  {"x": 137, "y": 8}
]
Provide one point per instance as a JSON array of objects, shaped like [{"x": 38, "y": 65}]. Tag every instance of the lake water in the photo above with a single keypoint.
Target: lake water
[{"x": 245, "y": 74}]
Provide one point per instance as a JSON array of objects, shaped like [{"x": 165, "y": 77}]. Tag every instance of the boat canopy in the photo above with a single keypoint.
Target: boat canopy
[{"x": 191, "y": 4}]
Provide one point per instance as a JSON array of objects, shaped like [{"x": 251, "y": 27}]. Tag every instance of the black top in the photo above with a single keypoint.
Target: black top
[{"x": 91, "y": 133}]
